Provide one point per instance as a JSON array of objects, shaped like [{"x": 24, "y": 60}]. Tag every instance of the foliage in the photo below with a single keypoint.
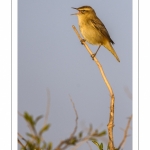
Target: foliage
[{"x": 36, "y": 142}]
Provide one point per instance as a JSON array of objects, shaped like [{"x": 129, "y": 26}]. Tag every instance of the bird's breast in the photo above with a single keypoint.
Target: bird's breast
[{"x": 90, "y": 34}]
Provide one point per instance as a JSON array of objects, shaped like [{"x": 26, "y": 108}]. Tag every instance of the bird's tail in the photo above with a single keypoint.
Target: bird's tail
[{"x": 111, "y": 49}]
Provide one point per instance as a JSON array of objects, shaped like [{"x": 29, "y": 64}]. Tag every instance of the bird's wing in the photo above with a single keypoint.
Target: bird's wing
[{"x": 97, "y": 23}]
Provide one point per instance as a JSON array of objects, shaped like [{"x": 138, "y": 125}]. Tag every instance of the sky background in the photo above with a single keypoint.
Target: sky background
[{"x": 51, "y": 56}]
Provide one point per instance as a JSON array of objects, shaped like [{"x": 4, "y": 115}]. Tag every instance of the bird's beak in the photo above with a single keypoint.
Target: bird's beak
[{"x": 76, "y": 9}]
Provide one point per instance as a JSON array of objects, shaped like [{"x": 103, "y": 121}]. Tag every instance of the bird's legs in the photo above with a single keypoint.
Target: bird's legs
[{"x": 93, "y": 55}]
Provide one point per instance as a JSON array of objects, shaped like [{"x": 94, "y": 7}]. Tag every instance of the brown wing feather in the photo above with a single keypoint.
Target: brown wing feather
[{"x": 97, "y": 23}]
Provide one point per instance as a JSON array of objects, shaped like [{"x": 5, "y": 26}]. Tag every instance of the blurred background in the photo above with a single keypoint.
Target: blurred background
[{"x": 50, "y": 56}]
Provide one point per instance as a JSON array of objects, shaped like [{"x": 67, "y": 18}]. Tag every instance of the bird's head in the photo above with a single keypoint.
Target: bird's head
[{"x": 84, "y": 11}]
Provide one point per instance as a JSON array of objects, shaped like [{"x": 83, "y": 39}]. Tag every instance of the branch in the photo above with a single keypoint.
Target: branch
[
  {"x": 76, "y": 140},
  {"x": 21, "y": 144},
  {"x": 125, "y": 133},
  {"x": 67, "y": 141},
  {"x": 22, "y": 137},
  {"x": 85, "y": 140},
  {"x": 111, "y": 116},
  {"x": 76, "y": 120}
]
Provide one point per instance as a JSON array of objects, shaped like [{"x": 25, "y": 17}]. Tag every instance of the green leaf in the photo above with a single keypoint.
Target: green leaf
[
  {"x": 102, "y": 133},
  {"x": 30, "y": 145},
  {"x": 96, "y": 143},
  {"x": 31, "y": 135},
  {"x": 101, "y": 146},
  {"x": 108, "y": 147},
  {"x": 45, "y": 128},
  {"x": 93, "y": 139},
  {"x": 29, "y": 119},
  {"x": 38, "y": 118},
  {"x": 73, "y": 141},
  {"x": 50, "y": 144},
  {"x": 36, "y": 138},
  {"x": 80, "y": 134}
]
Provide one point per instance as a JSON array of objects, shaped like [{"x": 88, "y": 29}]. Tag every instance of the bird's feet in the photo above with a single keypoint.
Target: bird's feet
[
  {"x": 93, "y": 55},
  {"x": 82, "y": 41}
]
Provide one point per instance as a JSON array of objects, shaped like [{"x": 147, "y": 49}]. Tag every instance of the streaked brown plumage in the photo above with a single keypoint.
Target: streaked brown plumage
[{"x": 93, "y": 30}]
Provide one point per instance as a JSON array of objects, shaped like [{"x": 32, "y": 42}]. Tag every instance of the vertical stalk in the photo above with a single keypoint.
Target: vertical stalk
[{"x": 112, "y": 97}]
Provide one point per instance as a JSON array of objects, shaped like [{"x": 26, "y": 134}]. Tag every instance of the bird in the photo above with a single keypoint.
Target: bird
[{"x": 93, "y": 30}]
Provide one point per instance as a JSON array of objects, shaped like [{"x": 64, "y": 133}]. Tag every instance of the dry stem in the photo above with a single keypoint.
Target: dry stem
[
  {"x": 21, "y": 144},
  {"x": 125, "y": 133},
  {"x": 76, "y": 120},
  {"x": 129, "y": 94},
  {"x": 22, "y": 137},
  {"x": 89, "y": 145},
  {"x": 111, "y": 116},
  {"x": 82, "y": 141},
  {"x": 66, "y": 141},
  {"x": 48, "y": 107}
]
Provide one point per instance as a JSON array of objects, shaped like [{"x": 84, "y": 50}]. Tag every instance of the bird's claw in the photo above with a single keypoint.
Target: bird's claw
[
  {"x": 82, "y": 41},
  {"x": 93, "y": 55}
]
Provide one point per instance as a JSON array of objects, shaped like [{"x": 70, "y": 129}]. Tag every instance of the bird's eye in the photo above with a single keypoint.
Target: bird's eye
[{"x": 83, "y": 11}]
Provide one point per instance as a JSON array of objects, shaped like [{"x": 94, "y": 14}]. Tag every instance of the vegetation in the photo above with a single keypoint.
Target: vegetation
[{"x": 36, "y": 141}]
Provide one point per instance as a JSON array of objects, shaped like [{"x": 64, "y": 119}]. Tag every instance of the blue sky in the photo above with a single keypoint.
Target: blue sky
[{"x": 51, "y": 56}]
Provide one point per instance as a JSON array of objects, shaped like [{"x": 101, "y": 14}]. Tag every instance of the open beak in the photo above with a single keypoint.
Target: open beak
[{"x": 76, "y": 9}]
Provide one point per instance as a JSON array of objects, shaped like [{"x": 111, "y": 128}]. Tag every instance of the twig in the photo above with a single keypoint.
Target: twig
[
  {"x": 21, "y": 144},
  {"x": 76, "y": 120},
  {"x": 48, "y": 107},
  {"x": 72, "y": 134},
  {"x": 89, "y": 145},
  {"x": 125, "y": 133},
  {"x": 83, "y": 140},
  {"x": 65, "y": 143},
  {"x": 19, "y": 113},
  {"x": 22, "y": 137},
  {"x": 129, "y": 94},
  {"x": 111, "y": 116}
]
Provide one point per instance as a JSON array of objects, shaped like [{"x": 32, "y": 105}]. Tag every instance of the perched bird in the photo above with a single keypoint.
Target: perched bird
[{"x": 93, "y": 30}]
